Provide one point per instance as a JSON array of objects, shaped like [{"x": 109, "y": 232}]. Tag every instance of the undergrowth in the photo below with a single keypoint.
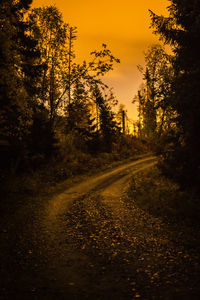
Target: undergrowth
[
  {"x": 161, "y": 197},
  {"x": 55, "y": 176}
]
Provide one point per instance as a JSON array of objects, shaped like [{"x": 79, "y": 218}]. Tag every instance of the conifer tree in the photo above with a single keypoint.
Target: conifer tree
[
  {"x": 181, "y": 29},
  {"x": 108, "y": 126},
  {"x": 19, "y": 71}
]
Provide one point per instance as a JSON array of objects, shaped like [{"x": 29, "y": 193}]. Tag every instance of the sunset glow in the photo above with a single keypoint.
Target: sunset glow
[{"x": 123, "y": 26}]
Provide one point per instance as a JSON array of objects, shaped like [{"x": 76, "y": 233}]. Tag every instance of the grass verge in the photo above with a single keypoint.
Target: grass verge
[
  {"x": 161, "y": 197},
  {"x": 36, "y": 186}
]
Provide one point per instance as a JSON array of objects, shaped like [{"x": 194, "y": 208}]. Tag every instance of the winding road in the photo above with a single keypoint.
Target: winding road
[{"x": 87, "y": 243}]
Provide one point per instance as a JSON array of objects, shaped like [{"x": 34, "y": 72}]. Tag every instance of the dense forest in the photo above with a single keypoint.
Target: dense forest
[
  {"x": 54, "y": 111},
  {"x": 95, "y": 205},
  {"x": 169, "y": 109}
]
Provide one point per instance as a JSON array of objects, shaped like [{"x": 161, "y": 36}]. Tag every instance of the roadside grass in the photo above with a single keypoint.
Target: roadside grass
[
  {"x": 36, "y": 186},
  {"x": 161, "y": 197},
  {"x": 54, "y": 173}
]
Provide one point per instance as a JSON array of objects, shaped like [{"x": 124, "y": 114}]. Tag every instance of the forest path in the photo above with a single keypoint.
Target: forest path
[{"x": 87, "y": 243}]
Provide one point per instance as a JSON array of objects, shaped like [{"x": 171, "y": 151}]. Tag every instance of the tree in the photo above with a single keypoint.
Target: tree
[
  {"x": 56, "y": 43},
  {"x": 108, "y": 126},
  {"x": 90, "y": 73},
  {"x": 181, "y": 29},
  {"x": 152, "y": 96},
  {"x": 121, "y": 117},
  {"x": 48, "y": 27},
  {"x": 80, "y": 119},
  {"x": 71, "y": 37},
  {"x": 19, "y": 74}
]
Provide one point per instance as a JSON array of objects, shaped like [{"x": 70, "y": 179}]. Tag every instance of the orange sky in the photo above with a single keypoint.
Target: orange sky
[{"x": 123, "y": 26}]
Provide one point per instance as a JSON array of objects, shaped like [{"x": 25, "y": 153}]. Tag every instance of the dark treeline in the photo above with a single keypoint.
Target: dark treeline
[
  {"x": 56, "y": 111},
  {"x": 53, "y": 110},
  {"x": 169, "y": 98}
]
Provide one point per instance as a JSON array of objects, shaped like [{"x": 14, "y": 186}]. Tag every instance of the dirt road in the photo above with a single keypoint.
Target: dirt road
[{"x": 86, "y": 243}]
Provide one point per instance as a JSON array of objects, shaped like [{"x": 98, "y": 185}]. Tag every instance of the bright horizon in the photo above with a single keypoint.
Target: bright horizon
[{"x": 125, "y": 30}]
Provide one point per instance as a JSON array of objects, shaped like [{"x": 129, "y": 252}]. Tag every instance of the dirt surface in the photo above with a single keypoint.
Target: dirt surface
[{"x": 87, "y": 243}]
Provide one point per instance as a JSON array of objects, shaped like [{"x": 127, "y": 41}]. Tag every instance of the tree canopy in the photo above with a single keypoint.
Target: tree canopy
[
  {"x": 181, "y": 29},
  {"x": 46, "y": 96}
]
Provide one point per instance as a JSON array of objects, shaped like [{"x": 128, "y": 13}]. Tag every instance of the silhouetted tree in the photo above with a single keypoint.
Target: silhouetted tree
[
  {"x": 181, "y": 29},
  {"x": 48, "y": 27},
  {"x": 19, "y": 73},
  {"x": 153, "y": 94},
  {"x": 46, "y": 97},
  {"x": 80, "y": 119},
  {"x": 108, "y": 126},
  {"x": 121, "y": 117}
]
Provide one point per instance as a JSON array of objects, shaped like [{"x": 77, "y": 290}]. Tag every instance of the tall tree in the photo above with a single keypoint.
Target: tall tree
[
  {"x": 79, "y": 119},
  {"x": 48, "y": 27},
  {"x": 152, "y": 97},
  {"x": 63, "y": 79},
  {"x": 71, "y": 37},
  {"x": 181, "y": 29},
  {"x": 108, "y": 125},
  {"x": 19, "y": 71},
  {"x": 56, "y": 43},
  {"x": 121, "y": 117}
]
